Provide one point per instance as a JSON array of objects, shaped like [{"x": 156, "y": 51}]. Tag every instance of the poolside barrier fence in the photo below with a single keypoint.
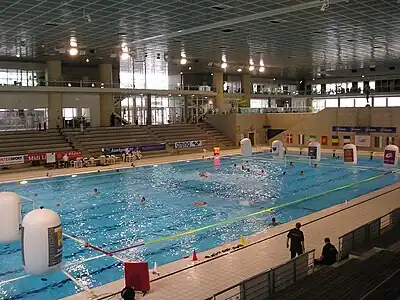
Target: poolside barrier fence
[{"x": 267, "y": 283}]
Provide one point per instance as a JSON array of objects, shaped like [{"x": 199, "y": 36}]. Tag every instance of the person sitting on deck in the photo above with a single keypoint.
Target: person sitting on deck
[{"x": 329, "y": 254}]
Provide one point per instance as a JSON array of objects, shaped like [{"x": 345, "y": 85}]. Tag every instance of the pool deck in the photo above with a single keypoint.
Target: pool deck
[{"x": 202, "y": 279}]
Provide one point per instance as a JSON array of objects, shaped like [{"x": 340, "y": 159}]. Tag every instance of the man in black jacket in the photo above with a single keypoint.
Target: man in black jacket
[
  {"x": 329, "y": 254},
  {"x": 296, "y": 238}
]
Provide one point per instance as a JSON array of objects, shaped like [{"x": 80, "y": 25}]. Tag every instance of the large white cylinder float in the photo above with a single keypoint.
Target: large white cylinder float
[
  {"x": 277, "y": 148},
  {"x": 350, "y": 154},
  {"x": 10, "y": 217},
  {"x": 245, "y": 147},
  {"x": 314, "y": 151},
  {"x": 41, "y": 242},
  {"x": 391, "y": 156}
]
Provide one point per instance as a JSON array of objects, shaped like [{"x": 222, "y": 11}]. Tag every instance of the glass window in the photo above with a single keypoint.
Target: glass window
[
  {"x": 69, "y": 113},
  {"x": 346, "y": 102},
  {"x": 372, "y": 85},
  {"x": 361, "y": 102},
  {"x": 393, "y": 101},
  {"x": 380, "y": 102},
  {"x": 332, "y": 102}
]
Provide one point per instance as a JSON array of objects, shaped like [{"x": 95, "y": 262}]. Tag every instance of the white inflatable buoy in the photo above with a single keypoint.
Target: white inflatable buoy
[
  {"x": 391, "y": 156},
  {"x": 277, "y": 148},
  {"x": 350, "y": 154},
  {"x": 10, "y": 217},
  {"x": 41, "y": 242},
  {"x": 246, "y": 147},
  {"x": 314, "y": 151}
]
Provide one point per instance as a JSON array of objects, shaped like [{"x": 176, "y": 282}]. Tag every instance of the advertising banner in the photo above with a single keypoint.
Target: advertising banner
[
  {"x": 389, "y": 157},
  {"x": 36, "y": 157},
  {"x": 312, "y": 152},
  {"x": 364, "y": 129},
  {"x": 11, "y": 160},
  {"x": 362, "y": 140},
  {"x": 335, "y": 140},
  {"x": 145, "y": 148},
  {"x": 188, "y": 144},
  {"x": 348, "y": 155},
  {"x": 70, "y": 154}
]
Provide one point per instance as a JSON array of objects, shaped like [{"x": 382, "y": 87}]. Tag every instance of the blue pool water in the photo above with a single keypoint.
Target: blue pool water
[{"x": 116, "y": 219}]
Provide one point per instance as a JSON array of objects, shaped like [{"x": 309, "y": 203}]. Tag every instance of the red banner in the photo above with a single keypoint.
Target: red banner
[
  {"x": 70, "y": 154},
  {"x": 59, "y": 155}
]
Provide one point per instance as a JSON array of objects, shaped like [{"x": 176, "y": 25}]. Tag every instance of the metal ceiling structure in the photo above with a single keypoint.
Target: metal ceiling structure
[{"x": 298, "y": 36}]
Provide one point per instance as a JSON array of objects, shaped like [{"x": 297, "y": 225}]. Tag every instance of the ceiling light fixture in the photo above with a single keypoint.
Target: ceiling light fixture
[
  {"x": 183, "y": 61},
  {"x": 190, "y": 68},
  {"x": 262, "y": 69},
  {"x": 73, "y": 51},
  {"x": 251, "y": 68},
  {"x": 124, "y": 55},
  {"x": 239, "y": 70},
  {"x": 325, "y": 5},
  {"x": 87, "y": 60},
  {"x": 224, "y": 65}
]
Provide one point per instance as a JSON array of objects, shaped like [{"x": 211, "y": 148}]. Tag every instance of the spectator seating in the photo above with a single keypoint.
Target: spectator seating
[
  {"x": 23, "y": 142},
  {"x": 93, "y": 139},
  {"x": 350, "y": 280},
  {"x": 222, "y": 139},
  {"x": 173, "y": 133}
]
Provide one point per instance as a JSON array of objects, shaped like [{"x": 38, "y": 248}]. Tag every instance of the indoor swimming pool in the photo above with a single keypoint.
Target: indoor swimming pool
[{"x": 241, "y": 195}]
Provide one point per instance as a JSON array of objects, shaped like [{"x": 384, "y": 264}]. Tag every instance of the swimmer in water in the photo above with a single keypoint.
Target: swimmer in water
[
  {"x": 143, "y": 200},
  {"x": 274, "y": 222},
  {"x": 96, "y": 192},
  {"x": 41, "y": 207},
  {"x": 199, "y": 203},
  {"x": 314, "y": 165},
  {"x": 234, "y": 165},
  {"x": 284, "y": 173},
  {"x": 301, "y": 173},
  {"x": 202, "y": 174},
  {"x": 291, "y": 164}
]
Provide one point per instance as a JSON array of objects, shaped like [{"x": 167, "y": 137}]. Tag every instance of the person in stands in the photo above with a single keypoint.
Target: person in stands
[
  {"x": 329, "y": 254},
  {"x": 296, "y": 238}
]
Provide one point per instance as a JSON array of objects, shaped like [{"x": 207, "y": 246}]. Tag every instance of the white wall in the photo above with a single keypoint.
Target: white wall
[
  {"x": 91, "y": 101},
  {"x": 26, "y": 100},
  {"x": 23, "y": 100}
]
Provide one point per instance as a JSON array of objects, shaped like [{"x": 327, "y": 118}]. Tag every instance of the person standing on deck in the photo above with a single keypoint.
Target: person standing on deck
[{"x": 296, "y": 238}]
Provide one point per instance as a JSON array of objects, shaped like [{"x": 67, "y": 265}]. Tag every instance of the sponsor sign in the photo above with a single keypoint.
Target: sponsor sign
[
  {"x": 364, "y": 129},
  {"x": 70, "y": 154},
  {"x": 348, "y": 155},
  {"x": 324, "y": 140},
  {"x": 36, "y": 156},
  {"x": 145, "y": 148},
  {"x": 362, "y": 140},
  {"x": 188, "y": 144},
  {"x": 11, "y": 160},
  {"x": 389, "y": 157},
  {"x": 58, "y": 155},
  {"x": 312, "y": 152}
]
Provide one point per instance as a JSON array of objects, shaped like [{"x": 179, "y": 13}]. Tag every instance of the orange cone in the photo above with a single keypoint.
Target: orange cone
[{"x": 194, "y": 257}]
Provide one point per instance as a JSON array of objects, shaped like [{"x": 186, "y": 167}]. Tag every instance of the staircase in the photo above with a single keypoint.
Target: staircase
[{"x": 222, "y": 140}]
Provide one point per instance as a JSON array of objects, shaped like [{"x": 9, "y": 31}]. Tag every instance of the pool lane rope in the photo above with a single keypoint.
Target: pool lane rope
[{"x": 229, "y": 221}]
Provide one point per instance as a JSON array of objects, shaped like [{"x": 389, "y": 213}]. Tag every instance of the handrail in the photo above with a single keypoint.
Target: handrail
[
  {"x": 270, "y": 281},
  {"x": 370, "y": 231}
]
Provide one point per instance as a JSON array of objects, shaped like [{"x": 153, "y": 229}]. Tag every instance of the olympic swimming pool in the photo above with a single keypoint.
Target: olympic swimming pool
[{"x": 115, "y": 219}]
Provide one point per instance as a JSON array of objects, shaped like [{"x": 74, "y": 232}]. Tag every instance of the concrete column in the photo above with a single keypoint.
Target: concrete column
[
  {"x": 54, "y": 74},
  {"x": 106, "y": 99},
  {"x": 218, "y": 85},
  {"x": 186, "y": 109},
  {"x": 148, "y": 107},
  {"x": 338, "y": 102},
  {"x": 246, "y": 88}
]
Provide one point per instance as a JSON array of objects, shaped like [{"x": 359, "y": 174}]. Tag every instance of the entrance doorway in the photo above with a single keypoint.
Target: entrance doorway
[{"x": 251, "y": 138}]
